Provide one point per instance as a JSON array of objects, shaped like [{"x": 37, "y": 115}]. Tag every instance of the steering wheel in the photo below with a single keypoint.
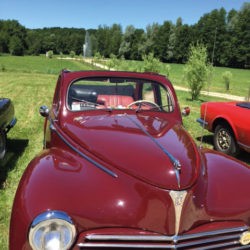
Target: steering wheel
[{"x": 141, "y": 103}]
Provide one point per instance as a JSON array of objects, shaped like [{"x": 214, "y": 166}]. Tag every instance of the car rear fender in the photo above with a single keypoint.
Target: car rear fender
[{"x": 224, "y": 121}]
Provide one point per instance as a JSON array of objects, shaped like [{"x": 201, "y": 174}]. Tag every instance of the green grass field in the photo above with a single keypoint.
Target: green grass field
[{"x": 29, "y": 82}]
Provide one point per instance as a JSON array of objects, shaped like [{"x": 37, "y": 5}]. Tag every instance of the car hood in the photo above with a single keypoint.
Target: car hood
[{"x": 140, "y": 145}]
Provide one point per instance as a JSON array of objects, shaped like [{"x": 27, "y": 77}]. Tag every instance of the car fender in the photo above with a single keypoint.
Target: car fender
[
  {"x": 224, "y": 119},
  {"x": 227, "y": 181},
  {"x": 36, "y": 175}
]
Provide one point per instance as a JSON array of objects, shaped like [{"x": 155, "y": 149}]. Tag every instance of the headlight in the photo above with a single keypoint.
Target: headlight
[{"x": 52, "y": 230}]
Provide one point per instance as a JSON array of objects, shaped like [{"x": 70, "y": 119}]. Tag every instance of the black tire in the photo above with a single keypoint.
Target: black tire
[
  {"x": 224, "y": 140},
  {"x": 2, "y": 144}
]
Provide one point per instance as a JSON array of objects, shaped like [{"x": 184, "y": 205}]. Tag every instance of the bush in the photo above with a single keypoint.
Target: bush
[
  {"x": 167, "y": 70},
  {"x": 150, "y": 63},
  {"x": 16, "y": 46},
  {"x": 97, "y": 57},
  {"x": 196, "y": 70},
  {"x": 49, "y": 54},
  {"x": 72, "y": 54},
  {"x": 112, "y": 62},
  {"x": 227, "y": 76}
]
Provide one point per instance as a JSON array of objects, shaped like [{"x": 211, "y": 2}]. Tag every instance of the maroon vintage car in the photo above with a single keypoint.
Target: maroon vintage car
[
  {"x": 119, "y": 171},
  {"x": 230, "y": 123}
]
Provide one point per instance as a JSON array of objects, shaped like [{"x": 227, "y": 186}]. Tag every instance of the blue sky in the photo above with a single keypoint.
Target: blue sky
[{"x": 92, "y": 13}]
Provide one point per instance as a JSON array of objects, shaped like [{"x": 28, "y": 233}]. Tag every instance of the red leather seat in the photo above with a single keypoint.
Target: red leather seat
[{"x": 114, "y": 100}]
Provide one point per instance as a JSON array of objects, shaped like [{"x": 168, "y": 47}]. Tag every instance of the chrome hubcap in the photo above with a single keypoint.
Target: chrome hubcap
[{"x": 224, "y": 139}]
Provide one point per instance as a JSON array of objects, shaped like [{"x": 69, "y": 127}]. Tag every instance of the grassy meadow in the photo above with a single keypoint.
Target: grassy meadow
[{"x": 30, "y": 81}]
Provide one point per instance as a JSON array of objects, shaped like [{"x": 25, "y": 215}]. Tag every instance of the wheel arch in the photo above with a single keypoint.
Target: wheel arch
[{"x": 224, "y": 121}]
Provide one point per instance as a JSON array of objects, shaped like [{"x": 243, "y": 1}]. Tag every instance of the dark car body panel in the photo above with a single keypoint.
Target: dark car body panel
[
  {"x": 7, "y": 121},
  {"x": 114, "y": 172},
  {"x": 6, "y": 114}
]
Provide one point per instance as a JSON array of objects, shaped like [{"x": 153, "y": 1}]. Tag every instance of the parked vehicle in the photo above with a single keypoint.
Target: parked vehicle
[
  {"x": 230, "y": 123},
  {"x": 7, "y": 121},
  {"x": 119, "y": 171}
]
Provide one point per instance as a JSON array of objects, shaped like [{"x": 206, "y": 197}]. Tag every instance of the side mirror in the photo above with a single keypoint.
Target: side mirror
[
  {"x": 185, "y": 111},
  {"x": 44, "y": 111}
]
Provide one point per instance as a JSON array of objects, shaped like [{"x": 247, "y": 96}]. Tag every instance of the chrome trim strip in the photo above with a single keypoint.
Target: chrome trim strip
[
  {"x": 212, "y": 233},
  {"x": 96, "y": 164},
  {"x": 176, "y": 163},
  {"x": 243, "y": 145},
  {"x": 50, "y": 215},
  {"x": 243, "y": 247},
  {"x": 215, "y": 241},
  {"x": 231, "y": 245},
  {"x": 117, "y": 245},
  {"x": 101, "y": 237},
  {"x": 170, "y": 242},
  {"x": 176, "y": 238}
]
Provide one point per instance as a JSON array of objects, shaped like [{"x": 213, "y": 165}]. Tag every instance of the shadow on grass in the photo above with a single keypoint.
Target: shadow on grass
[
  {"x": 208, "y": 139},
  {"x": 199, "y": 100},
  {"x": 15, "y": 148},
  {"x": 243, "y": 155}
]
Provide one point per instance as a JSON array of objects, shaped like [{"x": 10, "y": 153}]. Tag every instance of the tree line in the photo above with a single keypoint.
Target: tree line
[{"x": 226, "y": 37}]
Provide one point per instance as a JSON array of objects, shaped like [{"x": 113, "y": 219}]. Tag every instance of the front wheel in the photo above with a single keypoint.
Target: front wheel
[
  {"x": 2, "y": 144},
  {"x": 224, "y": 140}
]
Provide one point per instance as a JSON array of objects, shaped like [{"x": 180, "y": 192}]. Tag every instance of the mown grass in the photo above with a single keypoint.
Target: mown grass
[
  {"x": 39, "y": 64},
  {"x": 30, "y": 83}
]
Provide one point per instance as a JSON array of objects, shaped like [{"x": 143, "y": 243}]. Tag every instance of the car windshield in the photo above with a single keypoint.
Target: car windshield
[{"x": 119, "y": 93}]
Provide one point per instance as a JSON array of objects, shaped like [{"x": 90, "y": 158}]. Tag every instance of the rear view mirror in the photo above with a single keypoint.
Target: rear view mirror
[{"x": 44, "y": 111}]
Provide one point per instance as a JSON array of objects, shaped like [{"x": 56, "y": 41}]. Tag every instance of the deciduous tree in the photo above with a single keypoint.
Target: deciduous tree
[{"x": 196, "y": 70}]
